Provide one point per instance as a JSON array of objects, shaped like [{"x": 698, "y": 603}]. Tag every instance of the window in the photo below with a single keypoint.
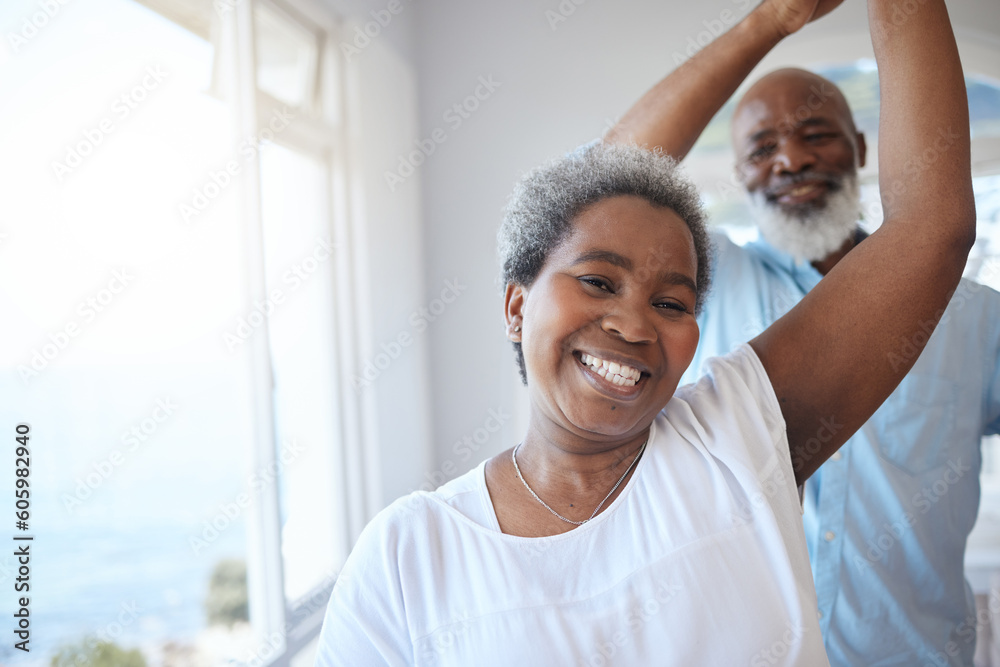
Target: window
[
  {"x": 174, "y": 241},
  {"x": 286, "y": 58},
  {"x": 299, "y": 259}
]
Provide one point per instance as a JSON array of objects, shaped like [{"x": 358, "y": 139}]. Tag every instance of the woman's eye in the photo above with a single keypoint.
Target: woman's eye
[
  {"x": 672, "y": 305},
  {"x": 600, "y": 283}
]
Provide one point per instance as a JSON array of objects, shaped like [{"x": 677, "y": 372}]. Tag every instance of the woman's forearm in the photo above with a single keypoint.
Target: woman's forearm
[{"x": 924, "y": 162}]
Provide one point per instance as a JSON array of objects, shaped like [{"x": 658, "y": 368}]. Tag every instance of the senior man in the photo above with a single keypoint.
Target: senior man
[{"x": 888, "y": 516}]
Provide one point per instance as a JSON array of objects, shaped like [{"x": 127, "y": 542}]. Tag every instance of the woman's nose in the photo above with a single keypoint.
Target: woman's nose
[{"x": 629, "y": 325}]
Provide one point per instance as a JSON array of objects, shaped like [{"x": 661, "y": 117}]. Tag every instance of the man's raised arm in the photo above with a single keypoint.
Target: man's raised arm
[{"x": 675, "y": 111}]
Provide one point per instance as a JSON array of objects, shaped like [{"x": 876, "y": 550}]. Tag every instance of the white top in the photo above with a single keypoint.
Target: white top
[{"x": 701, "y": 560}]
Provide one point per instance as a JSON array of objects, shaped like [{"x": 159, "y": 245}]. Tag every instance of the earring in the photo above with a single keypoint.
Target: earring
[{"x": 517, "y": 328}]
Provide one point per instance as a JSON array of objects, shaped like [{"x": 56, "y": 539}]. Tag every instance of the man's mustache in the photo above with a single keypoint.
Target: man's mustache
[{"x": 834, "y": 183}]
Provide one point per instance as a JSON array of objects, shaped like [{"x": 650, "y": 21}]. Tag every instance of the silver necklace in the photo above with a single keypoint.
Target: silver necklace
[{"x": 513, "y": 457}]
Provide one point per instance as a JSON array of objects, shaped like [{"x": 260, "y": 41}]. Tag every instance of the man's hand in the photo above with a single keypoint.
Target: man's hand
[
  {"x": 791, "y": 15},
  {"x": 675, "y": 111}
]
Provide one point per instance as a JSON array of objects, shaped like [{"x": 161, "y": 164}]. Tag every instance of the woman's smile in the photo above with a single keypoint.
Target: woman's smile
[{"x": 613, "y": 378}]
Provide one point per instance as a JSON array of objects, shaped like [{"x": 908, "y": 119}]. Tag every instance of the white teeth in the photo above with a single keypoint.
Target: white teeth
[{"x": 616, "y": 373}]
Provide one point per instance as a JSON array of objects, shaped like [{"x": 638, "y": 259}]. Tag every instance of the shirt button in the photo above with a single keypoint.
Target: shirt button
[
  {"x": 829, "y": 535},
  {"x": 819, "y": 614},
  {"x": 836, "y": 455}
]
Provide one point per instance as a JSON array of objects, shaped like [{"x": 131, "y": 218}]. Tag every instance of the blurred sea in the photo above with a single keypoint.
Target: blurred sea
[
  {"x": 140, "y": 586},
  {"x": 115, "y": 556}
]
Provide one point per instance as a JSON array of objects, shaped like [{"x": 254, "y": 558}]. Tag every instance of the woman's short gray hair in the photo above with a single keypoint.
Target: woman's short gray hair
[{"x": 541, "y": 210}]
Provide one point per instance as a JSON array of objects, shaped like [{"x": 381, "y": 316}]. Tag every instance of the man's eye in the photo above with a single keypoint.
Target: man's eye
[
  {"x": 820, "y": 137},
  {"x": 761, "y": 153}
]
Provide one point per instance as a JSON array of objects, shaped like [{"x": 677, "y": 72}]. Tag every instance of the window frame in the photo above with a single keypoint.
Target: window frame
[{"x": 319, "y": 128}]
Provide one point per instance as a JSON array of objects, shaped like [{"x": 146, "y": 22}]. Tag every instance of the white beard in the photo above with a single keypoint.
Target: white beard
[{"x": 813, "y": 235}]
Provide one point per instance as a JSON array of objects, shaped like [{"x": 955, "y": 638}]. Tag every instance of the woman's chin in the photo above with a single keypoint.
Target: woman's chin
[{"x": 614, "y": 426}]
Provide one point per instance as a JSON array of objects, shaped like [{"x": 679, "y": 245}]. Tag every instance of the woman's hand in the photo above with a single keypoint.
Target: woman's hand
[{"x": 790, "y": 15}]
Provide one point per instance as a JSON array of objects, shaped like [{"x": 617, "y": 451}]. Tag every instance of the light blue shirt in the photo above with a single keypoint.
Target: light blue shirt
[{"x": 887, "y": 518}]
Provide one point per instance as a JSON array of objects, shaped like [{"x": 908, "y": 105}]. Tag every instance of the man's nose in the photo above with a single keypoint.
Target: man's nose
[{"x": 792, "y": 157}]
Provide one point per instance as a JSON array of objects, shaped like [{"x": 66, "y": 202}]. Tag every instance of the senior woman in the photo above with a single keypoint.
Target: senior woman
[{"x": 638, "y": 523}]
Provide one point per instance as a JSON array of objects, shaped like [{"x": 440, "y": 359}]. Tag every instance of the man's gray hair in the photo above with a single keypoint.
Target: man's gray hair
[{"x": 541, "y": 210}]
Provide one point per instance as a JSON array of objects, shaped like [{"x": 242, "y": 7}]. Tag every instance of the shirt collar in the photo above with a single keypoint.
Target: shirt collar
[{"x": 801, "y": 269}]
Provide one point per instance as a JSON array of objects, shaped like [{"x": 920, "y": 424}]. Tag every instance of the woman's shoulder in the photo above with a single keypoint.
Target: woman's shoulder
[
  {"x": 740, "y": 371},
  {"x": 412, "y": 514},
  {"x": 733, "y": 400}
]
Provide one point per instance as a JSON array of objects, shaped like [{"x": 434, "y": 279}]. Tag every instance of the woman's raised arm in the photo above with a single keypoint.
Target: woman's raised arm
[{"x": 842, "y": 350}]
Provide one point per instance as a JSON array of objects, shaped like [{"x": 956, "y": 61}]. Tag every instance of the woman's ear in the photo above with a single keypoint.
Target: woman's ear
[{"x": 513, "y": 305}]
